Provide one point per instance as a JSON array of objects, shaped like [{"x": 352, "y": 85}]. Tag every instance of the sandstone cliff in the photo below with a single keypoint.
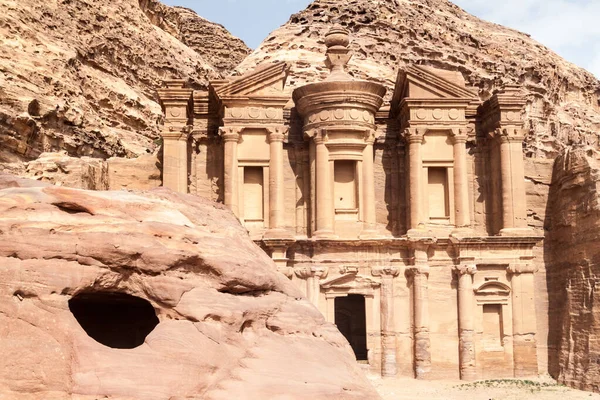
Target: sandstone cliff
[
  {"x": 573, "y": 269},
  {"x": 81, "y": 76},
  {"x": 215, "y": 320},
  {"x": 390, "y": 34}
]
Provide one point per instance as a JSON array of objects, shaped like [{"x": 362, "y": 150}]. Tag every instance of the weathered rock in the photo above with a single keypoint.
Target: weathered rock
[
  {"x": 229, "y": 326},
  {"x": 389, "y": 35},
  {"x": 212, "y": 41},
  {"x": 573, "y": 269},
  {"x": 81, "y": 76}
]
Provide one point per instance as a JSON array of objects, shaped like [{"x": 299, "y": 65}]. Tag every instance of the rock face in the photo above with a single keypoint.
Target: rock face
[
  {"x": 81, "y": 76},
  {"x": 212, "y": 41},
  {"x": 573, "y": 269},
  {"x": 388, "y": 35},
  {"x": 206, "y": 314}
]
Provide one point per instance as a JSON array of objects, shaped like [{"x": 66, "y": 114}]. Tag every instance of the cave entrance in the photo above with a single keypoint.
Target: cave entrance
[
  {"x": 351, "y": 320},
  {"x": 116, "y": 320}
]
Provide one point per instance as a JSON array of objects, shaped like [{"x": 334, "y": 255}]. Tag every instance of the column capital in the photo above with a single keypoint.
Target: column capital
[
  {"x": 466, "y": 269},
  {"x": 176, "y": 135},
  {"x": 318, "y": 135},
  {"x": 414, "y": 135},
  {"x": 370, "y": 136},
  {"x": 230, "y": 134},
  {"x": 312, "y": 272},
  {"x": 417, "y": 270},
  {"x": 385, "y": 271},
  {"x": 509, "y": 134},
  {"x": 277, "y": 133},
  {"x": 517, "y": 269},
  {"x": 459, "y": 135}
]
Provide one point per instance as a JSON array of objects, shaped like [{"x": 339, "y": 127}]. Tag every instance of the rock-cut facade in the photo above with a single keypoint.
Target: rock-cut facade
[{"x": 404, "y": 223}]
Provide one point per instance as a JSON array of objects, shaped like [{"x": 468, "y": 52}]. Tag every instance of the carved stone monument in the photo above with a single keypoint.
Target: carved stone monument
[{"x": 403, "y": 222}]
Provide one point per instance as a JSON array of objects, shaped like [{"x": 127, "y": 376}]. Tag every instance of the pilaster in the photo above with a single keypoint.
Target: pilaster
[
  {"x": 466, "y": 327},
  {"x": 524, "y": 320},
  {"x": 389, "y": 366}
]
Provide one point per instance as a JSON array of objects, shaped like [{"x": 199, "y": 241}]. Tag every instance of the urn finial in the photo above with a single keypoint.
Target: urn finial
[{"x": 338, "y": 52}]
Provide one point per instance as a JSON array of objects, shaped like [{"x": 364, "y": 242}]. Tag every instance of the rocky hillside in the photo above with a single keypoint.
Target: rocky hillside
[
  {"x": 212, "y": 41},
  {"x": 389, "y": 34},
  {"x": 82, "y": 75}
]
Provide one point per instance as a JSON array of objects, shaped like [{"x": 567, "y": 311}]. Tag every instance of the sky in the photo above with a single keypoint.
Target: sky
[{"x": 569, "y": 27}]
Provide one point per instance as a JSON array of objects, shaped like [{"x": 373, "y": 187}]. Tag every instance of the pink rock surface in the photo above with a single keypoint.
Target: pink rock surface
[{"x": 230, "y": 327}]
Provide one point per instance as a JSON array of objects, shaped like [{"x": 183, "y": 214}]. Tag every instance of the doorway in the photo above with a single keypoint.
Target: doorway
[{"x": 351, "y": 320}]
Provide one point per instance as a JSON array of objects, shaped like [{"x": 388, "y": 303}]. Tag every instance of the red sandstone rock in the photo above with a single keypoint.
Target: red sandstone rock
[
  {"x": 573, "y": 269},
  {"x": 231, "y": 327}
]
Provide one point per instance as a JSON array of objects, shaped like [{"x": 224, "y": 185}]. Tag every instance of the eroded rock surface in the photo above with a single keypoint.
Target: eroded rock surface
[
  {"x": 230, "y": 327},
  {"x": 573, "y": 269},
  {"x": 81, "y": 76},
  {"x": 389, "y": 35}
]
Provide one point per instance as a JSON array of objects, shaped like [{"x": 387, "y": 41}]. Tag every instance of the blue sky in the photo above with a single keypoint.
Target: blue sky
[{"x": 569, "y": 27}]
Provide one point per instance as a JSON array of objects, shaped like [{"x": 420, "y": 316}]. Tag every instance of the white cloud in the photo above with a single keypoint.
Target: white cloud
[{"x": 569, "y": 27}]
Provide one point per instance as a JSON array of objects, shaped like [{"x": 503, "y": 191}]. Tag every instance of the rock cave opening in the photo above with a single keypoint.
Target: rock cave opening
[
  {"x": 350, "y": 318},
  {"x": 116, "y": 320}
]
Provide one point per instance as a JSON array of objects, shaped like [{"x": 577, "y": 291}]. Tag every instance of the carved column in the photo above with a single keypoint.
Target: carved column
[
  {"x": 388, "y": 336},
  {"x": 276, "y": 183},
  {"x": 313, "y": 276},
  {"x": 231, "y": 138},
  {"x": 176, "y": 102},
  {"x": 462, "y": 216},
  {"x": 175, "y": 161},
  {"x": 414, "y": 137},
  {"x": 324, "y": 204},
  {"x": 420, "y": 275},
  {"x": 524, "y": 320},
  {"x": 466, "y": 326},
  {"x": 508, "y": 220},
  {"x": 369, "y": 213}
]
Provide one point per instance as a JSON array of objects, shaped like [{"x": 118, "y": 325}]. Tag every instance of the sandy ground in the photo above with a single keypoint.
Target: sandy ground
[{"x": 505, "y": 389}]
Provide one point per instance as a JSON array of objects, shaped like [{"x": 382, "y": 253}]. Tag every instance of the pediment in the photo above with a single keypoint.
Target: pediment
[
  {"x": 493, "y": 288},
  {"x": 350, "y": 281},
  {"x": 266, "y": 80},
  {"x": 418, "y": 82}
]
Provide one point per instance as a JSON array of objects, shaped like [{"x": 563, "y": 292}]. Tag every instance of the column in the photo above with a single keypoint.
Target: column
[
  {"x": 388, "y": 335},
  {"x": 514, "y": 209},
  {"x": 175, "y": 161},
  {"x": 313, "y": 276},
  {"x": 466, "y": 326},
  {"x": 462, "y": 216},
  {"x": 518, "y": 178},
  {"x": 369, "y": 213},
  {"x": 231, "y": 138},
  {"x": 276, "y": 184},
  {"x": 324, "y": 203},
  {"x": 524, "y": 321},
  {"x": 506, "y": 179},
  {"x": 414, "y": 138},
  {"x": 177, "y": 103},
  {"x": 420, "y": 275},
  {"x": 300, "y": 191}
]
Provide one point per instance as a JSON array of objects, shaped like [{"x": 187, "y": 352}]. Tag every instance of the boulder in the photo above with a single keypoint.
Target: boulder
[{"x": 152, "y": 295}]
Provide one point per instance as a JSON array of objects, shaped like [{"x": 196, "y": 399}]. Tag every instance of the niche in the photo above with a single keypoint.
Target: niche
[
  {"x": 116, "y": 320},
  {"x": 345, "y": 188},
  {"x": 439, "y": 207},
  {"x": 492, "y": 326},
  {"x": 253, "y": 194}
]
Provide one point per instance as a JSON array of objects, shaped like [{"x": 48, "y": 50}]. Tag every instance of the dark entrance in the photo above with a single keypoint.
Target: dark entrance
[
  {"x": 351, "y": 320},
  {"x": 116, "y": 320}
]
